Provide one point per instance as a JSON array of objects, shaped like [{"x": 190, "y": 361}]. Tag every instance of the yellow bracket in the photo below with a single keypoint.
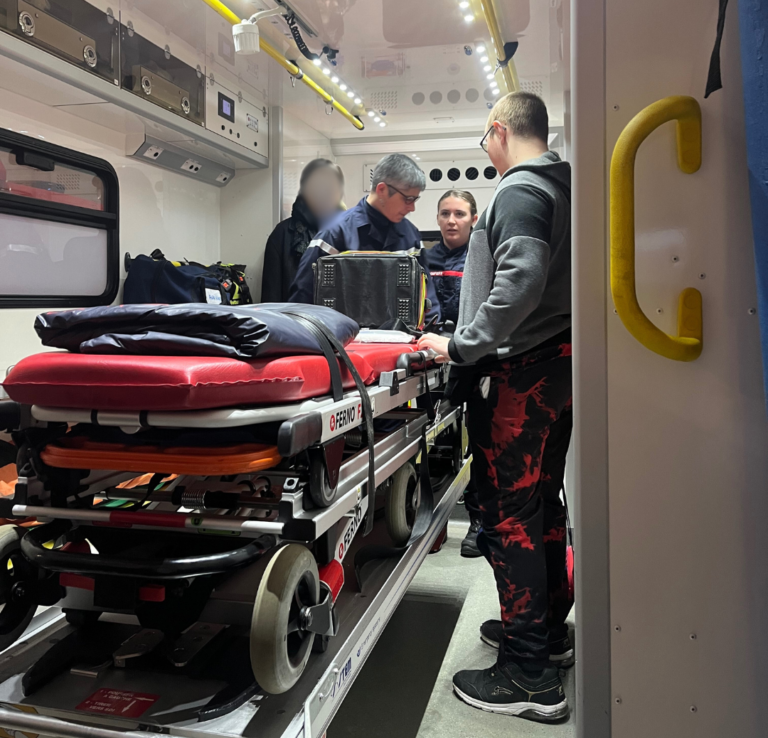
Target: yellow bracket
[
  {"x": 290, "y": 67},
  {"x": 686, "y": 346},
  {"x": 508, "y": 72}
]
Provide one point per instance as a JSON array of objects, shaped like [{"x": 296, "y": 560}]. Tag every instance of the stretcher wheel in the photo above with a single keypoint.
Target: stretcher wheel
[
  {"x": 319, "y": 488},
  {"x": 402, "y": 503},
  {"x": 16, "y": 612},
  {"x": 280, "y": 647}
]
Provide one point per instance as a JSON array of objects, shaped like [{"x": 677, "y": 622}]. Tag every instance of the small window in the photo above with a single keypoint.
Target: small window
[{"x": 58, "y": 226}]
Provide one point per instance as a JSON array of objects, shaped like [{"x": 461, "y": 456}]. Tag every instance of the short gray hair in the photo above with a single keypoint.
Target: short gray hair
[{"x": 399, "y": 171}]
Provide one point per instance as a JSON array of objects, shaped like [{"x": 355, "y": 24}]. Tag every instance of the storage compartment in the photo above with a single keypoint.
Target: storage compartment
[
  {"x": 75, "y": 31},
  {"x": 154, "y": 74}
]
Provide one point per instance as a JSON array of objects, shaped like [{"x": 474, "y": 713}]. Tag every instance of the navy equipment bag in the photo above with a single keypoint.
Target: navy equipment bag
[{"x": 156, "y": 280}]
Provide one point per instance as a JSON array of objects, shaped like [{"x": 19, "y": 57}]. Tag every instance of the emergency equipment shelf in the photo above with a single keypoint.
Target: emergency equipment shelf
[{"x": 303, "y": 712}]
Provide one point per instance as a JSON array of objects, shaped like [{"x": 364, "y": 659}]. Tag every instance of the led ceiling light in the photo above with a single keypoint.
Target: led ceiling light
[
  {"x": 343, "y": 87},
  {"x": 495, "y": 90},
  {"x": 376, "y": 119},
  {"x": 350, "y": 94},
  {"x": 464, "y": 5},
  {"x": 371, "y": 113},
  {"x": 326, "y": 71},
  {"x": 484, "y": 60},
  {"x": 480, "y": 50},
  {"x": 334, "y": 79},
  {"x": 316, "y": 62},
  {"x": 469, "y": 18},
  {"x": 487, "y": 68},
  {"x": 490, "y": 76},
  {"x": 382, "y": 124},
  {"x": 358, "y": 100}
]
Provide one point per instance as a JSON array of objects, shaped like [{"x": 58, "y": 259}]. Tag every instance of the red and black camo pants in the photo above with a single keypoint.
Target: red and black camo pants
[{"x": 519, "y": 418}]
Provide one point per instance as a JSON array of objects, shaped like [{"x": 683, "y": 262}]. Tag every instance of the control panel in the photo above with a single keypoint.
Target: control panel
[{"x": 237, "y": 114}]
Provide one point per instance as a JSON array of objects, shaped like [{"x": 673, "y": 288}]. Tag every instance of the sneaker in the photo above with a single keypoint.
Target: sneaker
[
  {"x": 508, "y": 690},
  {"x": 561, "y": 652},
  {"x": 460, "y": 501},
  {"x": 469, "y": 549}
]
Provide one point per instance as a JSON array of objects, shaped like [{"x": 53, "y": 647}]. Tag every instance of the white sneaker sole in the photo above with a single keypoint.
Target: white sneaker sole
[
  {"x": 546, "y": 713},
  {"x": 563, "y": 661}
]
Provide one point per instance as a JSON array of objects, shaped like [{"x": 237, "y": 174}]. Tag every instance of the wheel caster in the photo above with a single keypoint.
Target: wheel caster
[
  {"x": 402, "y": 503},
  {"x": 319, "y": 488},
  {"x": 16, "y": 612},
  {"x": 280, "y": 646}
]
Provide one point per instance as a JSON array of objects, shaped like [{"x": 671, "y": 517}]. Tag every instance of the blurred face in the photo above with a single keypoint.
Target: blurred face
[
  {"x": 323, "y": 192},
  {"x": 455, "y": 220},
  {"x": 394, "y": 202}
]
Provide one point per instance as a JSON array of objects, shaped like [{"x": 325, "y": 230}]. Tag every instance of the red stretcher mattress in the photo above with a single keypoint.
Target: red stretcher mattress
[{"x": 131, "y": 383}]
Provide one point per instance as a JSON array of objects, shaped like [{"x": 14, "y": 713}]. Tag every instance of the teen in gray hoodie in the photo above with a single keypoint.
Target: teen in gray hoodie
[{"x": 512, "y": 357}]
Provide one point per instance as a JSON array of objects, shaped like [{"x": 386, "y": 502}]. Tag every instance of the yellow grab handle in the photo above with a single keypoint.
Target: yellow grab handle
[
  {"x": 289, "y": 66},
  {"x": 686, "y": 346}
]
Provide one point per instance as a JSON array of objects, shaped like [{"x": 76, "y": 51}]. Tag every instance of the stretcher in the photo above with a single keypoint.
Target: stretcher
[{"x": 213, "y": 502}]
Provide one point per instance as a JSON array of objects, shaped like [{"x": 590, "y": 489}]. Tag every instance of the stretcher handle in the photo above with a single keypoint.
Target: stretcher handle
[
  {"x": 415, "y": 358},
  {"x": 96, "y": 564},
  {"x": 687, "y": 345},
  {"x": 55, "y": 728}
]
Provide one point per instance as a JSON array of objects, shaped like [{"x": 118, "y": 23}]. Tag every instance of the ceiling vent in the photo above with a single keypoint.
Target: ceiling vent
[{"x": 383, "y": 100}]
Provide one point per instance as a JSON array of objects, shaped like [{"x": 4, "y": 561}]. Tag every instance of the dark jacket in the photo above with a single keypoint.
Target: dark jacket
[
  {"x": 446, "y": 267},
  {"x": 361, "y": 228},
  {"x": 516, "y": 293},
  {"x": 285, "y": 247}
]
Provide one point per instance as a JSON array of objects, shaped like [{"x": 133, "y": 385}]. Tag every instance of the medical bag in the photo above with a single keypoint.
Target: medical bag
[
  {"x": 374, "y": 288},
  {"x": 157, "y": 280}
]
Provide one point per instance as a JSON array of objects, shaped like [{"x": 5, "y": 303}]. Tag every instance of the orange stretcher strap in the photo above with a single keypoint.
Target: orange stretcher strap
[{"x": 80, "y": 453}]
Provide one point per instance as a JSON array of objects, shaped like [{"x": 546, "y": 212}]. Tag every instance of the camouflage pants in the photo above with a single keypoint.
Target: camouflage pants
[{"x": 519, "y": 418}]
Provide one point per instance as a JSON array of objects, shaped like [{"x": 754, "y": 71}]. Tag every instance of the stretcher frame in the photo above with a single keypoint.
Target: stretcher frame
[{"x": 304, "y": 712}]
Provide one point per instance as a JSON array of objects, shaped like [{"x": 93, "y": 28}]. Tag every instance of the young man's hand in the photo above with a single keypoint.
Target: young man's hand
[{"x": 438, "y": 344}]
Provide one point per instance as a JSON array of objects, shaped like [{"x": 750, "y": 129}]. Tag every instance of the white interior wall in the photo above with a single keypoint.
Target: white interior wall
[
  {"x": 158, "y": 208},
  {"x": 688, "y": 468}
]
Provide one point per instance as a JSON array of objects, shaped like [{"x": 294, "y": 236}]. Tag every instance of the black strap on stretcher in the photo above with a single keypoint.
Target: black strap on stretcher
[{"x": 306, "y": 320}]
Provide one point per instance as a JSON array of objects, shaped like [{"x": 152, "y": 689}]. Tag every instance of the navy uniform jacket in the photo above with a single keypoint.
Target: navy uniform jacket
[
  {"x": 446, "y": 267},
  {"x": 361, "y": 228}
]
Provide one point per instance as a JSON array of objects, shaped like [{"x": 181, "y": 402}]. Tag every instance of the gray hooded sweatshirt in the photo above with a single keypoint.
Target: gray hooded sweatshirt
[{"x": 516, "y": 292}]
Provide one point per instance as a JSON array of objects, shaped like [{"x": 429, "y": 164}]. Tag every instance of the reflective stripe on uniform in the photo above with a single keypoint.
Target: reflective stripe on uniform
[{"x": 318, "y": 243}]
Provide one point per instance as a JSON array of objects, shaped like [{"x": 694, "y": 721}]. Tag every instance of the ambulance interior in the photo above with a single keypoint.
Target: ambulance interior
[{"x": 667, "y": 470}]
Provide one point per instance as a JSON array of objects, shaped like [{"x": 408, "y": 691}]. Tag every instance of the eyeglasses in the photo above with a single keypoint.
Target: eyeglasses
[
  {"x": 484, "y": 140},
  {"x": 408, "y": 199}
]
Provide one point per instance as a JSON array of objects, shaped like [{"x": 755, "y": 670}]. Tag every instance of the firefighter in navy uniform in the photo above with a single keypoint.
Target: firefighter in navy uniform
[
  {"x": 377, "y": 223},
  {"x": 456, "y": 216}
]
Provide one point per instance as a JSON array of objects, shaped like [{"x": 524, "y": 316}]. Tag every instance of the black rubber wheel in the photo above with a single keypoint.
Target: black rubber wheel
[
  {"x": 16, "y": 613},
  {"x": 402, "y": 503},
  {"x": 280, "y": 648},
  {"x": 319, "y": 488}
]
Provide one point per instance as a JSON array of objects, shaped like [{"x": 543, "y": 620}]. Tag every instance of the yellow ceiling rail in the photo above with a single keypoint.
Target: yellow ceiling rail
[
  {"x": 687, "y": 345},
  {"x": 290, "y": 67},
  {"x": 508, "y": 70}
]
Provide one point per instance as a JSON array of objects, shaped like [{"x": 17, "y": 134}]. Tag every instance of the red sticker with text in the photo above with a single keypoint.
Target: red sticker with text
[{"x": 118, "y": 703}]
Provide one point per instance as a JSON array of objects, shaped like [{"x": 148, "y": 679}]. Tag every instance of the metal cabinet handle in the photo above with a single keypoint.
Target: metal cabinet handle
[{"x": 686, "y": 346}]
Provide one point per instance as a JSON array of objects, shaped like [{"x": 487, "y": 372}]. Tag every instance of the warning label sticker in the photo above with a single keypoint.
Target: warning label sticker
[{"x": 118, "y": 703}]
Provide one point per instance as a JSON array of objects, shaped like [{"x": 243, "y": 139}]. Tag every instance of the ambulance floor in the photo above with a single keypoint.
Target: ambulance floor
[{"x": 404, "y": 690}]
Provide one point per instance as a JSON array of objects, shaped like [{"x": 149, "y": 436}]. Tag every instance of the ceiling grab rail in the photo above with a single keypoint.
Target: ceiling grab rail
[
  {"x": 290, "y": 67},
  {"x": 507, "y": 66},
  {"x": 687, "y": 345}
]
